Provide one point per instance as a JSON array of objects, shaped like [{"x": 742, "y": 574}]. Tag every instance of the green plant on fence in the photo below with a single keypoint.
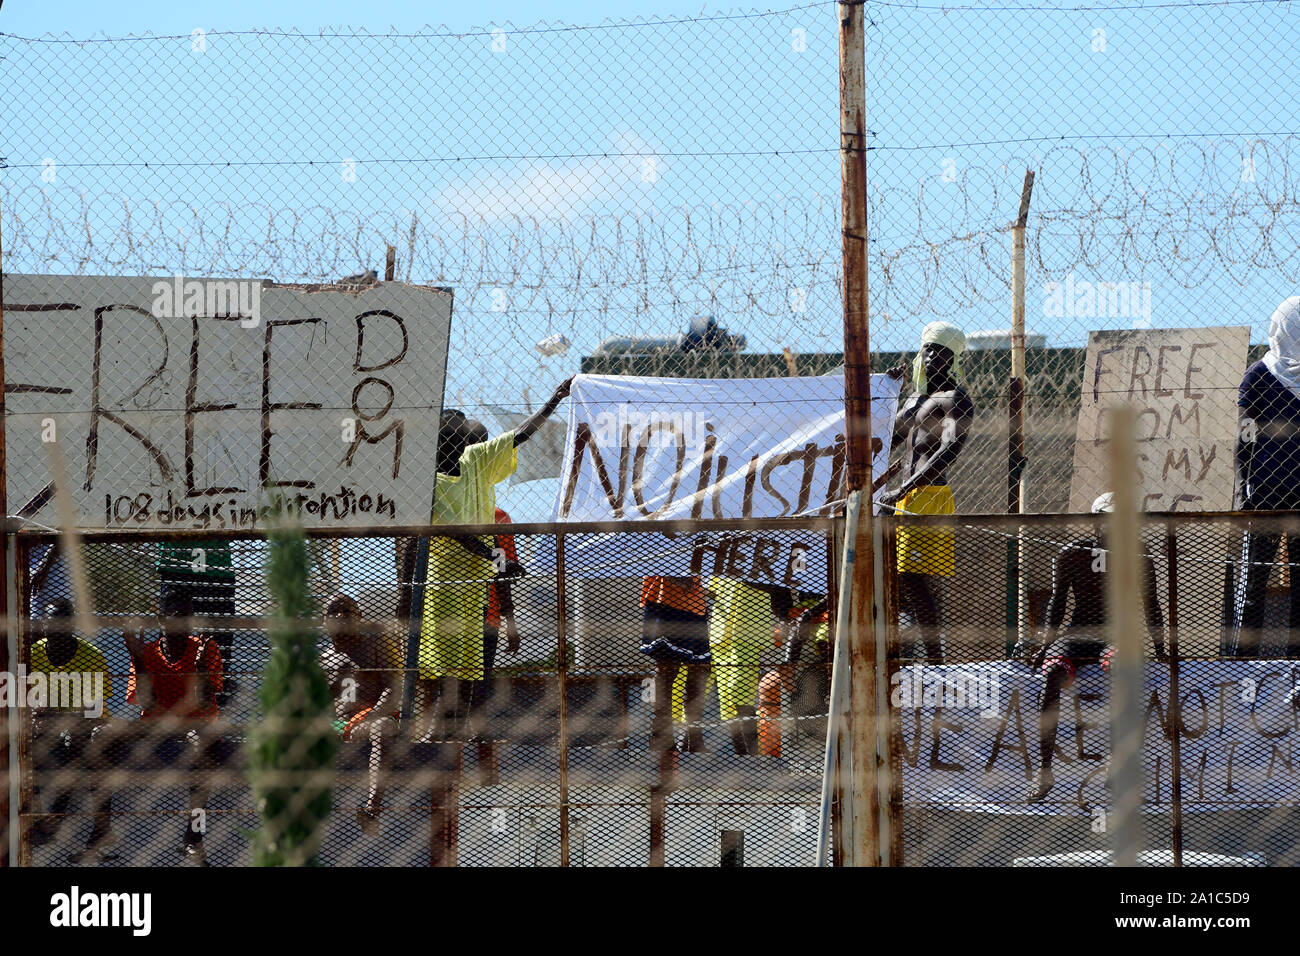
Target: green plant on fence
[{"x": 292, "y": 749}]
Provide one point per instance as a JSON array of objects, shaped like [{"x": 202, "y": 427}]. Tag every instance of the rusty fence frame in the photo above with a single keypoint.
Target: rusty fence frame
[
  {"x": 444, "y": 790},
  {"x": 443, "y": 819}
]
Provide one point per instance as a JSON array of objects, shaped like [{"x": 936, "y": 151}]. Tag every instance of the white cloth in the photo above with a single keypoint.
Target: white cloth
[{"x": 1283, "y": 356}]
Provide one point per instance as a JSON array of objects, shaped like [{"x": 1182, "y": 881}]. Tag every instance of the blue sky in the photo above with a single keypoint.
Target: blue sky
[{"x": 617, "y": 181}]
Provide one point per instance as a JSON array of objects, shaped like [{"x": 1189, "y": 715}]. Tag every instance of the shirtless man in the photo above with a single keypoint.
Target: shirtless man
[
  {"x": 1080, "y": 567},
  {"x": 363, "y": 683},
  {"x": 931, "y": 427}
]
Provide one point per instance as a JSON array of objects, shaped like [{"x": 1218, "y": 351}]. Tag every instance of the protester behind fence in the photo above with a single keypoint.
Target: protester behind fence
[
  {"x": 70, "y": 736},
  {"x": 675, "y": 634},
  {"x": 175, "y": 681},
  {"x": 806, "y": 666},
  {"x": 461, "y": 566},
  {"x": 205, "y": 570},
  {"x": 1267, "y": 479},
  {"x": 740, "y": 627},
  {"x": 931, "y": 429},
  {"x": 366, "y": 695},
  {"x": 1080, "y": 569}
]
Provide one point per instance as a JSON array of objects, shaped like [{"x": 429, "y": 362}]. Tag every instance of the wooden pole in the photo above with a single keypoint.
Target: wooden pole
[
  {"x": 390, "y": 263},
  {"x": 1017, "y": 594},
  {"x": 1175, "y": 703},
  {"x": 857, "y": 402},
  {"x": 1125, "y": 618}
]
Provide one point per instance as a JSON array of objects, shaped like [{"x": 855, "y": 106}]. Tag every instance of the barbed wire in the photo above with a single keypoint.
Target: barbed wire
[{"x": 1190, "y": 214}]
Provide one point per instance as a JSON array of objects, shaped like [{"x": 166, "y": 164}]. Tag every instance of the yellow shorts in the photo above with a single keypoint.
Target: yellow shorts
[{"x": 927, "y": 550}]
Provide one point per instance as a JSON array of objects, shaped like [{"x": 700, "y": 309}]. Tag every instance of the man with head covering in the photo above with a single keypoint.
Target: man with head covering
[
  {"x": 1268, "y": 478},
  {"x": 1080, "y": 567},
  {"x": 931, "y": 429}
]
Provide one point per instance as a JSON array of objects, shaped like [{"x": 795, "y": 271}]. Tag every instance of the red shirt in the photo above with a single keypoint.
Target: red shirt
[
  {"x": 682, "y": 593},
  {"x": 174, "y": 681},
  {"x": 506, "y": 542}
]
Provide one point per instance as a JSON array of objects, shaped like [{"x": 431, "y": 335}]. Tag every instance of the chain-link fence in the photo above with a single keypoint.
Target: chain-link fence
[
  {"x": 251, "y": 272},
  {"x": 1007, "y": 760},
  {"x": 589, "y": 712}
]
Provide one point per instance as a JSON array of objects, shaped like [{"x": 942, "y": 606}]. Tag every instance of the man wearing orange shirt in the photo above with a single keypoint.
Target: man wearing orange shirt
[
  {"x": 175, "y": 681},
  {"x": 675, "y": 634}
]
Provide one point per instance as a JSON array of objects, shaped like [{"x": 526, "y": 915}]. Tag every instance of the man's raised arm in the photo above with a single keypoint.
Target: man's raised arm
[{"x": 529, "y": 425}]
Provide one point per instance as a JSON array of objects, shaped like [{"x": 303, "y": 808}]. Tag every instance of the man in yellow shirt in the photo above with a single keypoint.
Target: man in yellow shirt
[
  {"x": 69, "y": 730},
  {"x": 460, "y": 566}
]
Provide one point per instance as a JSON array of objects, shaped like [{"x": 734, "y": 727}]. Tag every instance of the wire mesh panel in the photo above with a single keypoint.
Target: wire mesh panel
[
  {"x": 1006, "y": 759},
  {"x": 568, "y": 708},
  {"x": 290, "y": 300}
]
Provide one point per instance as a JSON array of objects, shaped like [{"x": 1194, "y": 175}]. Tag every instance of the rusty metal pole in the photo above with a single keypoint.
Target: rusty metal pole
[
  {"x": 1125, "y": 623},
  {"x": 857, "y": 414}
]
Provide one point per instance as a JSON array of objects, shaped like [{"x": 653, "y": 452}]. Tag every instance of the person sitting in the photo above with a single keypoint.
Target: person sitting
[
  {"x": 366, "y": 698},
  {"x": 174, "y": 681},
  {"x": 69, "y": 727}
]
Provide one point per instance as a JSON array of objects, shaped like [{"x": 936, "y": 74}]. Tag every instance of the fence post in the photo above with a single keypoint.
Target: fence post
[
  {"x": 1124, "y": 616},
  {"x": 414, "y": 625},
  {"x": 857, "y": 401},
  {"x": 562, "y": 666},
  {"x": 1175, "y": 702},
  {"x": 1017, "y": 603},
  {"x": 888, "y": 559},
  {"x": 835, "y": 709},
  {"x": 19, "y": 739},
  {"x": 11, "y": 795},
  {"x": 8, "y": 753}
]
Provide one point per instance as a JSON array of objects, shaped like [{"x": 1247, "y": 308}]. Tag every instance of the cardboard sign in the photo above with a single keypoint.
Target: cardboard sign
[
  {"x": 214, "y": 403},
  {"x": 1183, "y": 385}
]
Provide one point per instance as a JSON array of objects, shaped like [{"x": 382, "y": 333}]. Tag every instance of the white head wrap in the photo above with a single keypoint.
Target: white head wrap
[
  {"x": 951, "y": 338},
  {"x": 1103, "y": 504},
  {"x": 1283, "y": 356}
]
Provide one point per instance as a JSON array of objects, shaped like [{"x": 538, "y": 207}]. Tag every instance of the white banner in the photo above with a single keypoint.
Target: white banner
[
  {"x": 642, "y": 448},
  {"x": 970, "y": 734}
]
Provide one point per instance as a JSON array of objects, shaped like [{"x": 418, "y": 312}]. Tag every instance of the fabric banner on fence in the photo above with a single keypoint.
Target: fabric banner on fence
[
  {"x": 665, "y": 448},
  {"x": 970, "y": 734}
]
